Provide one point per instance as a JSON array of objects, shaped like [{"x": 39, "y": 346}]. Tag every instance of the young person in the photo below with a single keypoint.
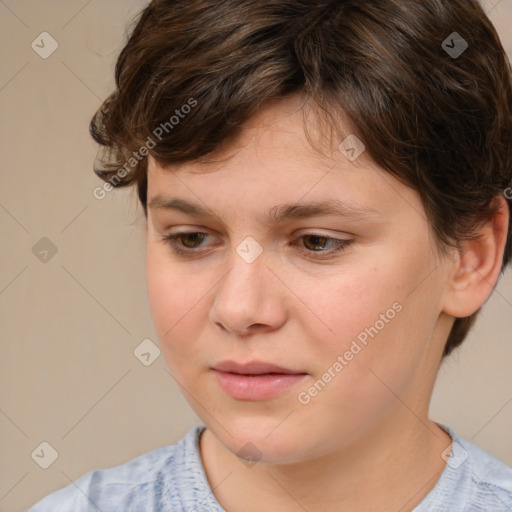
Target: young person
[{"x": 327, "y": 193}]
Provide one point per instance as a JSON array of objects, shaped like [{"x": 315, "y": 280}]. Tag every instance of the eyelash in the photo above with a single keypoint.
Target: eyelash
[{"x": 172, "y": 242}]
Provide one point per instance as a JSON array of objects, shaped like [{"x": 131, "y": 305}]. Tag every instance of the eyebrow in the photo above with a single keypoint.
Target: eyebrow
[{"x": 279, "y": 212}]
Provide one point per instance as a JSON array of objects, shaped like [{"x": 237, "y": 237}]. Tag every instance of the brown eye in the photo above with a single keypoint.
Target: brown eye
[
  {"x": 315, "y": 240},
  {"x": 193, "y": 237},
  {"x": 184, "y": 244},
  {"x": 313, "y": 243}
]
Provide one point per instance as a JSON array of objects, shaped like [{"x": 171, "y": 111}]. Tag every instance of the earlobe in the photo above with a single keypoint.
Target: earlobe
[{"x": 477, "y": 268}]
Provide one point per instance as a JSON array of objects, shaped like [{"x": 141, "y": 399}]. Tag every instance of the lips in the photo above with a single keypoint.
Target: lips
[
  {"x": 256, "y": 380},
  {"x": 254, "y": 368}
]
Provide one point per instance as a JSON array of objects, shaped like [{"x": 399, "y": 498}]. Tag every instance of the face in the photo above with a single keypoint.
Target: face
[{"x": 348, "y": 302}]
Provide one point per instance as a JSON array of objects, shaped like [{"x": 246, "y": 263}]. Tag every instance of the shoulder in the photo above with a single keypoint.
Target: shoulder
[
  {"x": 134, "y": 485},
  {"x": 490, "y": 478},
  {"x": 472, "y": 481}
]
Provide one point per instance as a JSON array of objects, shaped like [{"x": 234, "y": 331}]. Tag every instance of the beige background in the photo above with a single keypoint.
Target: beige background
[{"x": 69, "y": 325}]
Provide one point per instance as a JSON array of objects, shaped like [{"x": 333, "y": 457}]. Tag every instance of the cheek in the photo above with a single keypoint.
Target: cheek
[
  {"x": 161, "y": 291},
  {"x": 175, "y": 301},
  {"x": 378, "y": 317},
  {"x": 369, "y": 355},
  {"x": 356, "y": 305}
]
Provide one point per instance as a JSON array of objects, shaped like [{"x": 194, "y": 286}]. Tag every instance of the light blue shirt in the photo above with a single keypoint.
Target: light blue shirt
[{"x": 172, "y": 479}]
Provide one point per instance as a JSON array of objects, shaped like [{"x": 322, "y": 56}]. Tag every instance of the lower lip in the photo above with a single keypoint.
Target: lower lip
[{"x": 257, "y": 387}]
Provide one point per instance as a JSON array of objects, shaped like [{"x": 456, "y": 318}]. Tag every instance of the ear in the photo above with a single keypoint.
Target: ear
[{"x": 477, "y": 265}]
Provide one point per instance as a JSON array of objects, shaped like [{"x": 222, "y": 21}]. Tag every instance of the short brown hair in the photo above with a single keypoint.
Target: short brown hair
[{"x": 439, "y": 121}]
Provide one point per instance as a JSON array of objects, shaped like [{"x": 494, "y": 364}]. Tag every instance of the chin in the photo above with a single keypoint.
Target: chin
[{"x": 259, "y": 440}]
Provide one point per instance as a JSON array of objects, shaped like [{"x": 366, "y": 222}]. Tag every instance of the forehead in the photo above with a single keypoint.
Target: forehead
[{"x": 271, "y": 162}]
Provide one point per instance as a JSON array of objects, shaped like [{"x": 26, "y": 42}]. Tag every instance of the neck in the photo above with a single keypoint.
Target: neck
[{"x": 392, "y": 467}]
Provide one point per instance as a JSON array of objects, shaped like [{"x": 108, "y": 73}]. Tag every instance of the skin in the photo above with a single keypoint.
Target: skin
[{"x": 365, "y": 441}]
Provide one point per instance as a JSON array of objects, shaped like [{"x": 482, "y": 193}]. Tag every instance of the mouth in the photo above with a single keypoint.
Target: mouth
[
  {"x": 254, "y": 368},
  {"x": 256, "y": 380}
]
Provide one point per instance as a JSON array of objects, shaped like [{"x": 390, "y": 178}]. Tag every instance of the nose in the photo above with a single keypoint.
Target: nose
[{"x": 249, "y": 298}]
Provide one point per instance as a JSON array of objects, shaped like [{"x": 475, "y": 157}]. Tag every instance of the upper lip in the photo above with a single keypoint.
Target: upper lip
[{"x": 251, "y": 368}]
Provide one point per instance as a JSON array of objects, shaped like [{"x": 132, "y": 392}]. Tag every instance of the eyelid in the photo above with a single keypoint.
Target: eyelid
[
  {"x": 324, "y": 233},
  {"x": 340, "y": 244},
  {"x": 300, "y": 232},
  {"x": 192, "y": 230}
]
